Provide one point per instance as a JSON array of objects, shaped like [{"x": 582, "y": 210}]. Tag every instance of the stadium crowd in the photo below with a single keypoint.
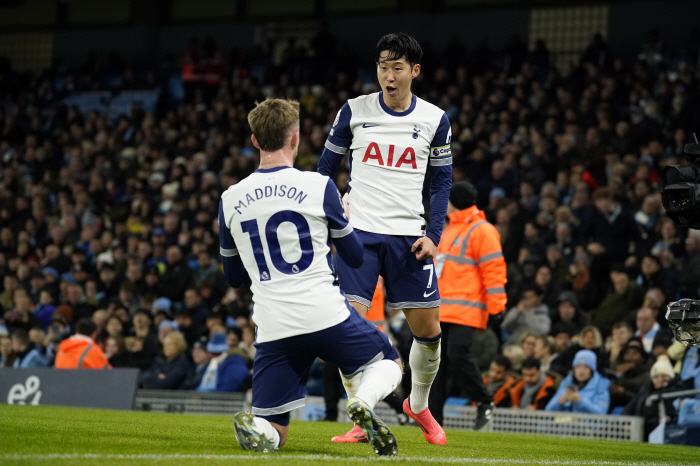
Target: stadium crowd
[{"x": 115, "y": 221}]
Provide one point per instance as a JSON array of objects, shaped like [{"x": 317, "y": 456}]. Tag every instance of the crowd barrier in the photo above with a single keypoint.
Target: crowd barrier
[{"x": 628, "y": 428}]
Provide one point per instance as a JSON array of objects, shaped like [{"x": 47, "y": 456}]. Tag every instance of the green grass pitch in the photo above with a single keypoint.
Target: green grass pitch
[{"x": 46, "y": 435}]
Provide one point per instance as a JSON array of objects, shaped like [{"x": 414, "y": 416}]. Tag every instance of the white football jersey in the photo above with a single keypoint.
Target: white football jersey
[
  {"x": 281, "y": 221},
  {"x": 390, "y": 152}
]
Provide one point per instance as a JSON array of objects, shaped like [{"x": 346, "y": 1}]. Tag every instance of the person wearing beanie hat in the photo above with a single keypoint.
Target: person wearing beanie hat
[
  {"x": 584, "y": 390},
  {"x": 462, "y": 195},
  {"x": 471, "y": 274},
  {"x": 663, "y": 380},
  {"x": 661, "y": 372}
]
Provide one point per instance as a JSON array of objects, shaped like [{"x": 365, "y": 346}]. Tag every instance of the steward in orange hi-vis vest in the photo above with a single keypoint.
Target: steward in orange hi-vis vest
[
  {"x": 80, "y": 352},
  {"x": 471, "y": 275},
  {"x": 375, "y": 314},
  {"x": 471, "y": 270}
]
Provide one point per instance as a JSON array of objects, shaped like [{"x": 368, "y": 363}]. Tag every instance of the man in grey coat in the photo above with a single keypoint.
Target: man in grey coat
[{"x": 530, "y": 314}]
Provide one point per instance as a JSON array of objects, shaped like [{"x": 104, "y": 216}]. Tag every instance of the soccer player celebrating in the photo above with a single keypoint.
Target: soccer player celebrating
[
  {"x": 392, "y": 137},
  {"x": 275, "y": 228}
]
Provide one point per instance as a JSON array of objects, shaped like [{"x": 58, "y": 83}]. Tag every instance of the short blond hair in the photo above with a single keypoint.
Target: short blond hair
[
  {"x": 178, "y": 339},
  {"x": 271, "y": 121}
]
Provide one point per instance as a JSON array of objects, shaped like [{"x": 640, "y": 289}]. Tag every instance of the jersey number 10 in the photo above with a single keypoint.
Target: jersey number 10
[{"x": 273, "y": 244}]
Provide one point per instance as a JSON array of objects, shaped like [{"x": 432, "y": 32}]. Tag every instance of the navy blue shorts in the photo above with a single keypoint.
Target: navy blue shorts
[
  {"x": 281, "y": 367},
  {"x": 409, "y": 283}
]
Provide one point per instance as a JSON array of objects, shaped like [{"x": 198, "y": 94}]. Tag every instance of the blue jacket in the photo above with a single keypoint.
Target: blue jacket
[
  {"x": 595, "y": 396},
  {"x": 33, "y": 359},
  {"x": 232, "y": 373}
]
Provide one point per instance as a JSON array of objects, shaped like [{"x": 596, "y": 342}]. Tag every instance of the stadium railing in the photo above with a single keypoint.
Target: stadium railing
[
  {"x": 180, "y": 401},
  {"x": 629, "y": 428}
]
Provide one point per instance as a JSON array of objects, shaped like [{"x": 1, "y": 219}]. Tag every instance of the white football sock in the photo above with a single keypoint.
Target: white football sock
[
  {"x": 266, "y": 428},
  {"x": 351, "y": 385},
  {"x": 378, "y": 381},
  {"x": 424, "y": 360}
]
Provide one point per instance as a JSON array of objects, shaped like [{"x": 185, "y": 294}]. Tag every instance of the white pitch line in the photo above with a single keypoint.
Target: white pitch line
[{"x": 356, "y": 459}]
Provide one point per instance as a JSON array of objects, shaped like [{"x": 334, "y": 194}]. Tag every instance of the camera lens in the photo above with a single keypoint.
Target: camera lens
[{"x": 680, "y": 199}]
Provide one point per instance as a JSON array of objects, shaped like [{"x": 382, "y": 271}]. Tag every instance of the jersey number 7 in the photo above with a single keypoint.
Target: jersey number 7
[{"x": 273, "y": 244}]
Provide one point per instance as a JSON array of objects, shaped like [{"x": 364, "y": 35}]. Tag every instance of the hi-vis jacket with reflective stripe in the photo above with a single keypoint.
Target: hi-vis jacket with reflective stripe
[
  {"x": 471, "y": 270},
  {"x": 80, "y": 352}
]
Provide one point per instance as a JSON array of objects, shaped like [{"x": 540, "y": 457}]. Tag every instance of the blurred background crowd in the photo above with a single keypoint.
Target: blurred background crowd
[{"x": 113, "y": 218}]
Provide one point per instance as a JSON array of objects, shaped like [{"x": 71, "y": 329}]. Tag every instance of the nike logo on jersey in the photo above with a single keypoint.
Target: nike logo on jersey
[
  {"x": 426, "y": 294},
  {"x": 368, "y": 126}
]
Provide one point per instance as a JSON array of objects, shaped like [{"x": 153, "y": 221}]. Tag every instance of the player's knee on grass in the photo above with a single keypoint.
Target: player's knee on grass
[{"x": 283, "y": 431}]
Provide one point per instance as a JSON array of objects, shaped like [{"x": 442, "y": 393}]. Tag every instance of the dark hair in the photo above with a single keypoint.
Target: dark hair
[
  {"x": 399, "y": 45},
  {"x": 531, "y": 362},
  {"x": 22, "y": 336},
  {"x": 503, "y": 361},
  {"x": 237, "y": 331},
  {"x": 534, "y": 288},
  {"x": 86, "y": 327}
]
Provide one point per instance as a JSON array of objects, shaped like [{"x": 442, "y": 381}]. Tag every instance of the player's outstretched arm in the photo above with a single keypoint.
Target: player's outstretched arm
[
  {"x": 337, "y": 144},
  {"x": 440, "y": 178},
  {"x": 346, "y": 241},
  {"x": 234, "y": 271}
]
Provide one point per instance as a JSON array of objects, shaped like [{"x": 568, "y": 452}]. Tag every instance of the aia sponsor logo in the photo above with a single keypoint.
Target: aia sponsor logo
[{"x": 390, "y": 157}]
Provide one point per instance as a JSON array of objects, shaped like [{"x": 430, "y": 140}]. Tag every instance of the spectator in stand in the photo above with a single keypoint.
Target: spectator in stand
[
  {"x": 26, "y": 354},
  {"x": 80, "y": 351},
  {"x": 621, "y": 334},
  {"x": 21, "y": 316},
  {"x": 589, "y": 339},
  {"x": 233, "y": 371},
  {"x": 187, "y": 327},
  {"x": 563, "y": 333},
  {"x": 609, "y": 234},
  {"x": 534, "y": 390},
  {"x": 528, "y": 342},
  {"x": 217, "y": 347},
  {"x": 515, "y": 355},
  {"x": 624, "y": 297},
  {"x": 7, "y": 352},
  {"x": 170, "y": 372},
  {"x": 648, "y": 328},
  {"x": 546, "y": 351},
  {"x": 499, "y": 380},
  {"x": 201, "y": 358},
  {"x": 194, "y": 306},
  {"x": 632, "y": 370},
  {"x": 663, "y": 380},
  {"x": 568, "y": 311},
  {"x": 529, "y": 314},
  {"x": 177, "y": 276},
  {"x": 115, "y": 352},
  {"x": 248, "y": 341},
  {"x": 584, "y": 390},
  {"x": 550, "y": 289}
]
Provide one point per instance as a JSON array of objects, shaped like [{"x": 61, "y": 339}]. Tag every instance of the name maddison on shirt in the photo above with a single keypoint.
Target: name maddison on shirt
[{"x": 281, "y": 190}]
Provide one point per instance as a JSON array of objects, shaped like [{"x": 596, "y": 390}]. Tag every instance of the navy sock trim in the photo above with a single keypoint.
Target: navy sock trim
[
  {"x": 425, "y": 341},
  {"x": 281, "y": 419}
]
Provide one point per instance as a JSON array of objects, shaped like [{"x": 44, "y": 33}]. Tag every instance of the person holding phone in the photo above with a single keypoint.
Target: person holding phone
[{"x": 584, "y": 390}]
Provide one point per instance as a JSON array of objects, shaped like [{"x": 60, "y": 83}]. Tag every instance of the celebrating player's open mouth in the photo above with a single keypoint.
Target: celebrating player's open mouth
[{"x": 395, "y": 75}]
